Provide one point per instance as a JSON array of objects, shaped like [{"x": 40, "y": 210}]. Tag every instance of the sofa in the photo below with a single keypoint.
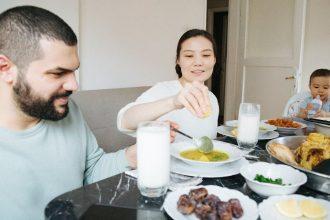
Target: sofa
[{"x": 100, "y": 109}]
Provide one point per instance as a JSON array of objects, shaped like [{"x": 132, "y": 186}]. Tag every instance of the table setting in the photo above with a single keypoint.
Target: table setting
[{"x": 255, "y": 169}]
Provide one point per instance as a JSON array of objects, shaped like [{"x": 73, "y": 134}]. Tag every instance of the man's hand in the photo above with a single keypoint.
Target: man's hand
[
  {"x": 195, "y": 97},
  {"x": 130, "y": 153}
]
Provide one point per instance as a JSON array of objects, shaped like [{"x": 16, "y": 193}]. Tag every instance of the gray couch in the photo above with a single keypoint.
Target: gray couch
[{"x": 100, "y": 108}]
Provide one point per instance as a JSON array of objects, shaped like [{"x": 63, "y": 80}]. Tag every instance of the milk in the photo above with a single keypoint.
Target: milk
[
  {"x": 153, "y": 156},
  {"x": 248, "y": 128}
]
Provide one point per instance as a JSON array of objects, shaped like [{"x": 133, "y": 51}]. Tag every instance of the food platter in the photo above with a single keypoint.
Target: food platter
[
  {"x": 315, "y": 180},
  {"x": 288, "y": 130}
]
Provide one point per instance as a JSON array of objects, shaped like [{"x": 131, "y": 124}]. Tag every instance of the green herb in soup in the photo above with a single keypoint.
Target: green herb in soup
[{"x": 213, "y": 156}]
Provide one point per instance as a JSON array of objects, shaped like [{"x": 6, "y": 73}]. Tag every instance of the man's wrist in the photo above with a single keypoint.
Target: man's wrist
[{"x": 130, "y": 153}]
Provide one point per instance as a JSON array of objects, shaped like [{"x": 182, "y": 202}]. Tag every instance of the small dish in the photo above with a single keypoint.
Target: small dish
[
  {"x": 268, "y": 210},
  {"x": 263, "y": 127},
  {"x": 226, "y": 131},
  {"x": 291, "y": 177},
  {"x": 233, "y": 152}
]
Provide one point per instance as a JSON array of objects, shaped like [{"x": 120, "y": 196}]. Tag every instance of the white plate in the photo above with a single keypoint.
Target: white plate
[
  {"x": 263, "y": 127},
  {"x": 266, "y": 136},
  {"x": 249, "y": 206},
  {"x": 233, "y": 152},
  {"x": 230, "y": 169},
  {"x": 268, "y": 211}
]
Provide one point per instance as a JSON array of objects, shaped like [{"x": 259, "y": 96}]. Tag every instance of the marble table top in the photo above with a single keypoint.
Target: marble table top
[{"x": 121, "y": 191}]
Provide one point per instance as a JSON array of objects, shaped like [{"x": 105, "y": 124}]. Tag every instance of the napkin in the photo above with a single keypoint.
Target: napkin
[{"x": 177, "y": 180}]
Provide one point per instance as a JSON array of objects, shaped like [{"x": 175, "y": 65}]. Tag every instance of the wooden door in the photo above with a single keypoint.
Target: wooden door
[{"x": 270, "y": 45}]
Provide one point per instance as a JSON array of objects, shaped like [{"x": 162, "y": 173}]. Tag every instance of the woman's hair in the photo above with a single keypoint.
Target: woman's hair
[
  {"x": 195, "y": 33},
  {"x": 319, "y": 73}
]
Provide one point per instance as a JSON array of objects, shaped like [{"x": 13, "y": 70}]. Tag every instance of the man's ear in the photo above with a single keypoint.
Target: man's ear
[{"x": 8, "y": 70}]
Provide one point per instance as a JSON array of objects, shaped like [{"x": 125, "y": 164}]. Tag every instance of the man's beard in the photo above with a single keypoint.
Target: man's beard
[{"x": 37, "y": 106}]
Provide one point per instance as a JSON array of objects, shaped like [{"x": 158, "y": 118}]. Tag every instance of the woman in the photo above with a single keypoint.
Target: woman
[{"x": 186, "y": 101}]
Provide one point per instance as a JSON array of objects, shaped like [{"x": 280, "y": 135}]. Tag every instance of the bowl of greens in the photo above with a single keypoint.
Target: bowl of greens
[{"x": 268, "y": 179}]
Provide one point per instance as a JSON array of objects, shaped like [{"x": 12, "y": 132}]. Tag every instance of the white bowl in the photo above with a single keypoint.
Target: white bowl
[
  {"x": 233, "y": 152},
  {"x": 288, "y": 174},
  {"x": 323, "y": 129},
  {"x": 263, "y": 127}
]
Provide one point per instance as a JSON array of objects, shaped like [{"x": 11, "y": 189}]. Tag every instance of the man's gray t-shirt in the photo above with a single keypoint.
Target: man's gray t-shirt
[{"x": 50, "y": 159}]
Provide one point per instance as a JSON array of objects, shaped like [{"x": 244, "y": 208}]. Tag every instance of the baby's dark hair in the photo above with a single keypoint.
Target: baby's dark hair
[{"x": 319, "y": 73}]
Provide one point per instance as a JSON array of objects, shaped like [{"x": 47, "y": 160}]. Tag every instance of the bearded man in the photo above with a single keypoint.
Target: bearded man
[{"x": 46, "y": 147}]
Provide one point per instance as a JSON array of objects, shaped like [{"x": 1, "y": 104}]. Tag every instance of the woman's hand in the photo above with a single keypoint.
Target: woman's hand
[
  {"x": 173, "y": 133},
  {"x": 195, "y": 97}
]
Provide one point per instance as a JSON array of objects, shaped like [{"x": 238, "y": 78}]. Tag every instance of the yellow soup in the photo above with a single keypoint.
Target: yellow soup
[{"x": 213, "y": 156}]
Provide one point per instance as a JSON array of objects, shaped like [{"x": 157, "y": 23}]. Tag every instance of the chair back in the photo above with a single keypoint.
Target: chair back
[{"x": 292, "y": 106}]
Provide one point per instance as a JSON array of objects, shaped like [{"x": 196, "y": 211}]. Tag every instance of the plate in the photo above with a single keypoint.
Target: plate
[
  {"x": 226, "y": 131},
  {"x": 268, "y": 211},
  {"x": 249, "y": 206},
  {"x": 233, "y": 152},
  {"x": 285, "y": 130},
  {"x": 230, "y": 169},
  {"x": 263, "y": 127}
]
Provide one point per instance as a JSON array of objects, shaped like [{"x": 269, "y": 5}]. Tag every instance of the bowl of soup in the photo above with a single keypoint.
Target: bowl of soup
[{"x": 222, "y": 153}]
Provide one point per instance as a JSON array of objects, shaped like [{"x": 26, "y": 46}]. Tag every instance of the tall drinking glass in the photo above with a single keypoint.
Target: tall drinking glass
[
  {"x": 248, "y": 126},
  {"x": 153, "y": 158}
]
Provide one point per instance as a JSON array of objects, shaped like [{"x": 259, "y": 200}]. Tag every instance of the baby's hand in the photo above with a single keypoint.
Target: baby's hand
[
  {"x": 309, "y": 106},
  {"x": 302, "y": 113}
]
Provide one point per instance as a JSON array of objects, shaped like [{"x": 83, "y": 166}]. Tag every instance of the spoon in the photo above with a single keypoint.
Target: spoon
[{"x": 204, "y": 144}]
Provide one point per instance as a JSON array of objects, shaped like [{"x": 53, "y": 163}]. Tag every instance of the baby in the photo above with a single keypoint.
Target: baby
[{"x": 319, "y": 85}]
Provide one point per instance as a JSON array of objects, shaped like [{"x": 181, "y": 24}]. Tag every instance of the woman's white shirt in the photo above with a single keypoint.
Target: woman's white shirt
[{"x": 190, "y": 124}]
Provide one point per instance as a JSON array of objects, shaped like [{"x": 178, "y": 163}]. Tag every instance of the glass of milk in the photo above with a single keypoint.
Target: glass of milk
[
  {"x": 248, "y": 126},
  {"x": 153, "y": 158}
]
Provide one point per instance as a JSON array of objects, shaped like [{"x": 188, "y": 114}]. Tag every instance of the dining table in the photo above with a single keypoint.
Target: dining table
[{"x": 118, "y": 197}]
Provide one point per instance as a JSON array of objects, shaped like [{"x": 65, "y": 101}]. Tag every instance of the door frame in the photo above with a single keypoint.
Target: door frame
[
  {"x": 233, "y": 90},
  {"x": 209, "y": 28}
]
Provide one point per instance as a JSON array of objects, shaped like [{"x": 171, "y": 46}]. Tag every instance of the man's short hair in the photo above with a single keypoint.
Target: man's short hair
[
  {"x": 319, "y": 73},
  {"x": 22, "y": 28}
]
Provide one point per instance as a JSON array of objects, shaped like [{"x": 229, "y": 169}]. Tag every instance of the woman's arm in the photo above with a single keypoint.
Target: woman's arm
[{"x": 194, "y": 96}]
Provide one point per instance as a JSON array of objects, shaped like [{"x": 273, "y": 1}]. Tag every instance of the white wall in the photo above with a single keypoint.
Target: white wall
[
  {"x": 317, "y": 39},
  {"x": 125, "y": 43},
  {"x": 133, "y": 43},
  {"x": 67, "y": 10}
]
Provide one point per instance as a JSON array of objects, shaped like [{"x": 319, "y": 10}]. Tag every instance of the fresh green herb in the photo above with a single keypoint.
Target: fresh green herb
[{"x": 261, "y": 178}]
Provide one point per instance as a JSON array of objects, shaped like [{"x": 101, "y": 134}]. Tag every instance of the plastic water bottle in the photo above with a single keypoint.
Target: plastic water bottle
[{"x": 317, "y": 104}]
